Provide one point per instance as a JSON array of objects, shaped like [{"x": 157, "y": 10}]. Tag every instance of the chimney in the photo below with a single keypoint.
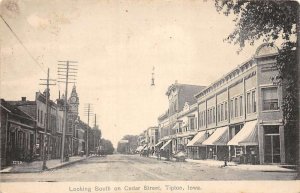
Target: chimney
[{"x": 23, "y": 99}]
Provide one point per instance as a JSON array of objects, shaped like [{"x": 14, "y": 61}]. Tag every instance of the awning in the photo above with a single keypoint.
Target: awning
[
  {"x": 176, "y": 126},
  {"x": 145, "y": 147},
  {"x": 158, "y": 144},
  {"x": 186, "y": 134},
  {"x": 166, "y": 144},
  {"x": 198, "y": 139},
  {"x": 140, "y": 148},
  {"x": 219, "y": 137},
  {"x": 246, "y": 136}
]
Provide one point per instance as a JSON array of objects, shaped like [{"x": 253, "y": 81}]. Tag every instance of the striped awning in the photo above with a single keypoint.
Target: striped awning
[
  {"x": 219, "y": 137},
  {"x": 246, "y": 136},
  {"x": 141, "y": 147},
  {"x": 176, "y": 126},
  {"x": 198, "y": 139},
  {"x": 158, "y": 144},
  {"x": 166, "y": 144}
]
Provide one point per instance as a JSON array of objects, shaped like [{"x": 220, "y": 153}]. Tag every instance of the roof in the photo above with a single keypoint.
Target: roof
[
  {"x": 14, "y": 110},
  {"x": 189, "y": 89},
  {"x": 186, "y": 94}
]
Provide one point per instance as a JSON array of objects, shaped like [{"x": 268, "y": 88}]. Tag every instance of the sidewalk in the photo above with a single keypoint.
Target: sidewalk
[
  {"x": 233, "y": 165},
  {"x": 36, "y": 166}
]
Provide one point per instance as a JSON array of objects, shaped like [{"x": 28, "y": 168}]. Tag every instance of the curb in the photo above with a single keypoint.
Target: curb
[
  {"x": 66, "y": 164},
  {"x": 48, "y": 169}
]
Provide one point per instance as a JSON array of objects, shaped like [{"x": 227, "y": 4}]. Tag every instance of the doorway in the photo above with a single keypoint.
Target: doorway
[{"x": 272, "y": 144}]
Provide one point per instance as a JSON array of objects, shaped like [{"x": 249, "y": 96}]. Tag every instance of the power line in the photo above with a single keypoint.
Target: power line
[
  {"x": 19, "y": 40},
  {"x": 64, "y": 71}
]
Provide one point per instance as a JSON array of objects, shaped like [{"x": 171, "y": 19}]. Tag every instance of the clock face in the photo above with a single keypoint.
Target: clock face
[{"x": 73, "y": 99}]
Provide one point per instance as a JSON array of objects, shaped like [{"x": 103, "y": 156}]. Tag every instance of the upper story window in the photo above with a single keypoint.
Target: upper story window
[
  {"x": 192, "y": 123},
  {"x": 214, "y": 115},
  {"x": 42, "y": 117},
  {"x": 202, "y": 119},
  {"x": 251, "y": 102},
  {"x": 241, "y": 105},
  {"x": 70, "y": 126},
  {"x": 226, "y": 108},
  {"x": 248, "y": 103},
  {"x": 222, "y": 112},
  {"x": 231, "y": 108},
  {"x": 219, "y": 112},
  {"x": 270, "y": 99},
  {"x": 236, "y": 112},
  {"x": 38, "y": 115}
]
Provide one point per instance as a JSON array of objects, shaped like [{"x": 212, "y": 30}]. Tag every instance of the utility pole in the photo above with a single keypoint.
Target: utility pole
[
  {"x": 88, "y": 111},
  {"x": 47, "y": 118},
  {"x": 67, "y": 72},
  {"x": 95, "y": 126}
]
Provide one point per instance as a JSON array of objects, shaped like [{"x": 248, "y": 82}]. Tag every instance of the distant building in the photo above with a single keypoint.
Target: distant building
[
  {"x": 152, "y": 138},
  {"x": 179, "y": 96}
]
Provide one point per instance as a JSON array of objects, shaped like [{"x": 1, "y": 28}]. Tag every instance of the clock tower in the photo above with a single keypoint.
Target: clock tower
[{"x": 73, "y": 102}]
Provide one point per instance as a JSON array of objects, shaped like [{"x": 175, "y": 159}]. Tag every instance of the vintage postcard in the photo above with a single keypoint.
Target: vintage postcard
[{"x": 150, "y": 96}]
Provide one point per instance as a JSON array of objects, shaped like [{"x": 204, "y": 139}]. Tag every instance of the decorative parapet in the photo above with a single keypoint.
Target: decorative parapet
[{"x": 265, "y": 50}]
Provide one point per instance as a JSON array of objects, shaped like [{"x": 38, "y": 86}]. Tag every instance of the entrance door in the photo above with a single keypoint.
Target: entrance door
[{"x": 272, "y": 145}]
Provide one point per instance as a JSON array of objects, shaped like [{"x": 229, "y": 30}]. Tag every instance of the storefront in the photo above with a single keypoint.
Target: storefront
[
  {"x": 272, "y": 145},
  {"x": 217, "y": 144},
  {"x": 195, "y": 149},
  {"x": 166, "y": 149},
  {"x": 243, "y": 147}
]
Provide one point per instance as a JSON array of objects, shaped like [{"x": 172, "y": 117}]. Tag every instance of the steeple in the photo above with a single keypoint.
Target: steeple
[
  {"x": 74, "y": 101},
  {"x": 74, "y": 93}
]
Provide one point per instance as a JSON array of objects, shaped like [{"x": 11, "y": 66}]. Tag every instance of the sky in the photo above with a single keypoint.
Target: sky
[{"x": 116, "y": 44}]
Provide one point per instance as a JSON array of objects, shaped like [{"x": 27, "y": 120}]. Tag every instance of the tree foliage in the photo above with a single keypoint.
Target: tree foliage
[
  {"x": 107, "y": 147},
  {"x": 273, "y": 22},
  {"x": 130, "y": 146},
  {"x": 270, "y": 21}
]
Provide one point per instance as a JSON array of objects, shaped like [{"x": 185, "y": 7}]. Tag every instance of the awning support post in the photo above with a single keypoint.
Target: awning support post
[{"x": 229, "y": 154}]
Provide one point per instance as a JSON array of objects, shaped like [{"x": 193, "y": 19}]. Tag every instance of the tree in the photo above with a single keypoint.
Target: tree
[
  {"x": 107, "y": 147},
  {"x": 272, "y": 22},
  {"x": 130, "y": 146}
]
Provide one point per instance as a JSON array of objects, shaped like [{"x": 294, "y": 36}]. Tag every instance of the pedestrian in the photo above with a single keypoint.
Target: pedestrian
[
  {"x": 160, "y": 153},
  {"x": 241, "y": 156}
]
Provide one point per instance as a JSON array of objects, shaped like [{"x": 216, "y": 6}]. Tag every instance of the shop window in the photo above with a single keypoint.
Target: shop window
[
  {"x": 238, "y": 151},
  {"x": 270, "y": 98},
  {"x": 271, "y": 129}
]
